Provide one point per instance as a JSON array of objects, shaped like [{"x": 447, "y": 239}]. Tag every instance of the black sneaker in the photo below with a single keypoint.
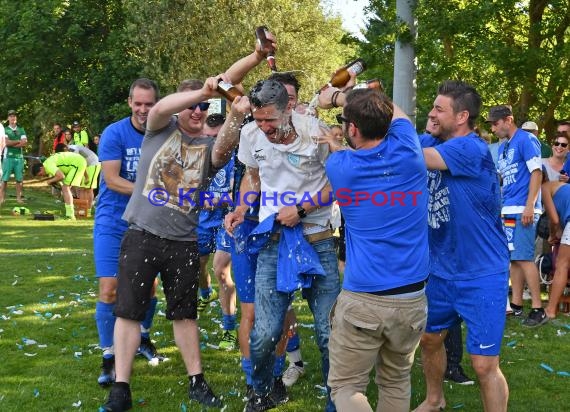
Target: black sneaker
[
  {"x": 536, "y": 317},
  {"x": 458, "y": 376},
  {"x": 201, "y": 393},
  {"x": 248, "y": 392},
  {"x": 119, "y": 398},
  {"x": 258, "y": 403},
  {"x": 107, "y": 376},
  {"x": 279, "y": 391},
  {"x": 517, "y": 313},
  {"x": 148, "y": 350}
]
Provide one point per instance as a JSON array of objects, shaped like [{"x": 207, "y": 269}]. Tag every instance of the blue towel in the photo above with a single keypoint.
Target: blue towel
[{"x": 297, "y": 261}]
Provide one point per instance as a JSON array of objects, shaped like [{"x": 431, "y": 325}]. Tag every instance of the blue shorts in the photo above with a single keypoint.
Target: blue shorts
[
  {"x": 243, "y": 264},
  {"x": 520, "y": 238},
  {"x": 213, "y": 238},
  {"x": 106, "y": 248},
  {"x": 479, "y": 302}
]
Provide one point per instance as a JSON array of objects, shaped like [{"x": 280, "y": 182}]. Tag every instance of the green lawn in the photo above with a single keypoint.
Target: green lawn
[{"x": 50, "y": 362}]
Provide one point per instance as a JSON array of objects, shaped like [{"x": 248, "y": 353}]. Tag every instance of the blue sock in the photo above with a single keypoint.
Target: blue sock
[
  {"x": 279, "y": 365},
  {"x": 229, "y": 322},
  {"x": 293, "y": 343},
  {"x": 105, "y": 320},
  {"x": 205, "y": 292},
  {"x": 247, "y": 369},
  {"x": 146, "y": 324}
]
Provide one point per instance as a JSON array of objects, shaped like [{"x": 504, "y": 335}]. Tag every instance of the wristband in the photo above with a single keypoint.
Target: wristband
[{"x": 334, "y": 97}]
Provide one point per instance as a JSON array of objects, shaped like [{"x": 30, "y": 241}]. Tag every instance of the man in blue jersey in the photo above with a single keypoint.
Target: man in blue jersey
[
  {"x": 469, "y": 259},
  {"x": 380, "y": 314},
  {"x": 119, "y": 153},
  {"x": 556, "y": 198},
  {"x": 521, "y": 173}
]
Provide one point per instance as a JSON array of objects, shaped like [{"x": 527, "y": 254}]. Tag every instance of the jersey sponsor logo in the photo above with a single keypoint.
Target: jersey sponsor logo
[{"x": 438, "y": 203}]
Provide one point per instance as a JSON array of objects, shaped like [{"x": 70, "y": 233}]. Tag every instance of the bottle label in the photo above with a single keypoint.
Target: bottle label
[
  {"x": 225, "y": 85},
  {"x": 356, "y": 68}
]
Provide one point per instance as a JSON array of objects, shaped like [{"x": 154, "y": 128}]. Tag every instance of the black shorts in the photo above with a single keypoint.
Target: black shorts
[{"x": 144, "y": 255}]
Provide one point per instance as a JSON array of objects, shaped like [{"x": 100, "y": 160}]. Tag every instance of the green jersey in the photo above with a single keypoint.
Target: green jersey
[{"x": 15, "y": 134}]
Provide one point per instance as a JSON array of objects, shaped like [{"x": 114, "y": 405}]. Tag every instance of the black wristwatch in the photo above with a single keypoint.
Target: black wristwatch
[{"x": 302, "y": 213}]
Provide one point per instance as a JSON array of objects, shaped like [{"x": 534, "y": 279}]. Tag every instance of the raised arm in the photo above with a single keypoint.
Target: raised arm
[
  {"x": 228, "y": 137},
  {"x": 162, "y": 111}
]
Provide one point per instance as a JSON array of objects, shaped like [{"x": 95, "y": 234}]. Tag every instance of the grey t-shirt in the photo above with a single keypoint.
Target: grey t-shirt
[{"x": 173, "y": 169}]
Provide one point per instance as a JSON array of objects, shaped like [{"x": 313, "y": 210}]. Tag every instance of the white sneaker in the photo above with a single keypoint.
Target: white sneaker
[{"x": 292, "y": 374}]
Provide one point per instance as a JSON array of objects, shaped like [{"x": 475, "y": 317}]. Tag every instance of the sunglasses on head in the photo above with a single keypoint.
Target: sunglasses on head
[
  {"x": 202, "y": 105},
  {"x": 341, "y": 119},
  {"x": 564, "y": 145}
]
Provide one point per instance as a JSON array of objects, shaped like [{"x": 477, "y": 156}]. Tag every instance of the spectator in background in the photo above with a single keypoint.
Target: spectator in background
[
  {"x": 2, "y": 146},
  {"x": 58, "y": 136},
  {"x": 92, "y": 174},
  {"x": 80, "y": 137},
  {"x": 521, "y": 172},
  {"x": 68, "y": 136},
  {"x": 94, "y": 144},
  {"x": 13, "y": 162},
  {"x": 552, "y": 168},
  {"x": 532, "y": 127}
]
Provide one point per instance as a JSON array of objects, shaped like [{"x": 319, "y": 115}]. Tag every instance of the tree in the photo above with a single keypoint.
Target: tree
[{"x": 513, "y": 52}]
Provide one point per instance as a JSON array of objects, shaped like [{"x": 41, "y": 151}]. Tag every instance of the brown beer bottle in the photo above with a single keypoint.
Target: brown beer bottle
[
  {"x": 265, "y": 43},
  {"x": 228, "y": 90},
  {"x": 342, "y": 76}
]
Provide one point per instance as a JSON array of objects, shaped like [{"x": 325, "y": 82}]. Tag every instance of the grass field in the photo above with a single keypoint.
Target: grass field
[{"x": 48, "y": 340}]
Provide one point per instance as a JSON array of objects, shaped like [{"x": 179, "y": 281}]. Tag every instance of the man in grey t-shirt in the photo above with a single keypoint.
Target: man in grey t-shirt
[{"x": 175, "y": 164}]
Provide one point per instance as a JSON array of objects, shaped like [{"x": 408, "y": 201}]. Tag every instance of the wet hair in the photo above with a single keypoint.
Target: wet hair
[
  {"x": 370, "y": 110},
  {"x": 215, "y": 120},
  {"x": 190, "y": 84},
  {"x": 268, "y": 92},
  {"x": 286, "y": 78},
  {"x": 147, "y": 84},
  {"x": 464, "y": 97},
  {"x": 61, "y": 147},
  {"x": 36, "y": 168}
]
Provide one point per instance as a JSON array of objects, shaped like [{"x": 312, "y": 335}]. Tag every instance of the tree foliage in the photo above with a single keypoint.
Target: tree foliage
[
  {"x": 64, "y": 60},
  {"x": 513, "y": 52}
]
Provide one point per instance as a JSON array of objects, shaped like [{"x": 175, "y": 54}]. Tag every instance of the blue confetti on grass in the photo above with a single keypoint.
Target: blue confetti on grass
[{"x": 546, "y": 367}]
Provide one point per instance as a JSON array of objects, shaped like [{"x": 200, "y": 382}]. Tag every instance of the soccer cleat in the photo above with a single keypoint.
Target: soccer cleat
[
  {"x": 458, "y": 376},
  {"x": 278, "y": 393},
  {"x": 292, "y": 374},
  {"x": 201, "y": 393},
  {"x": 107, "y": 376},
  {"x": 229, "y": 340},
  {"x": 119, "y": 399},
  {"x": 259, "y": 403},
  {"x": 204, "y": 302},
  {"x": 148, "y": 350},
  {"x": 536, "y": 317}
]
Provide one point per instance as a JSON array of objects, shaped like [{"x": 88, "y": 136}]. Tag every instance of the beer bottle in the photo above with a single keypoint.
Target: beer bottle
[
  {"x": 342, "y": 76},
  {"x": 228, "y": 90},
  {"x": 265, "y": 43}
]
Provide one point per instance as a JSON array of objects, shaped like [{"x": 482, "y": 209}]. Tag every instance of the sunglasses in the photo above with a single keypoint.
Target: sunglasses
[
  {"x": 564, "y": 145},
  {"x": 341, "y": 119},
  {"x": 202, "y": 105}
]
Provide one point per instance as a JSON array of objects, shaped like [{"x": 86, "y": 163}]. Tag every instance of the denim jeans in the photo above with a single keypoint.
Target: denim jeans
[{"x": 271, "y": 307}]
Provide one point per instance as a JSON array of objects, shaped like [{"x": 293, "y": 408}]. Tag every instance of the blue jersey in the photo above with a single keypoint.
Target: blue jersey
[
  {"x": 383, "y": 199},
  {"x": 561, "y": 201},
  {"x": 119, "y": 141},
  {"x": 518, "y": 158},
  {"x": 221, "y": 185},
  {"x": 466, "y": 235}
]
